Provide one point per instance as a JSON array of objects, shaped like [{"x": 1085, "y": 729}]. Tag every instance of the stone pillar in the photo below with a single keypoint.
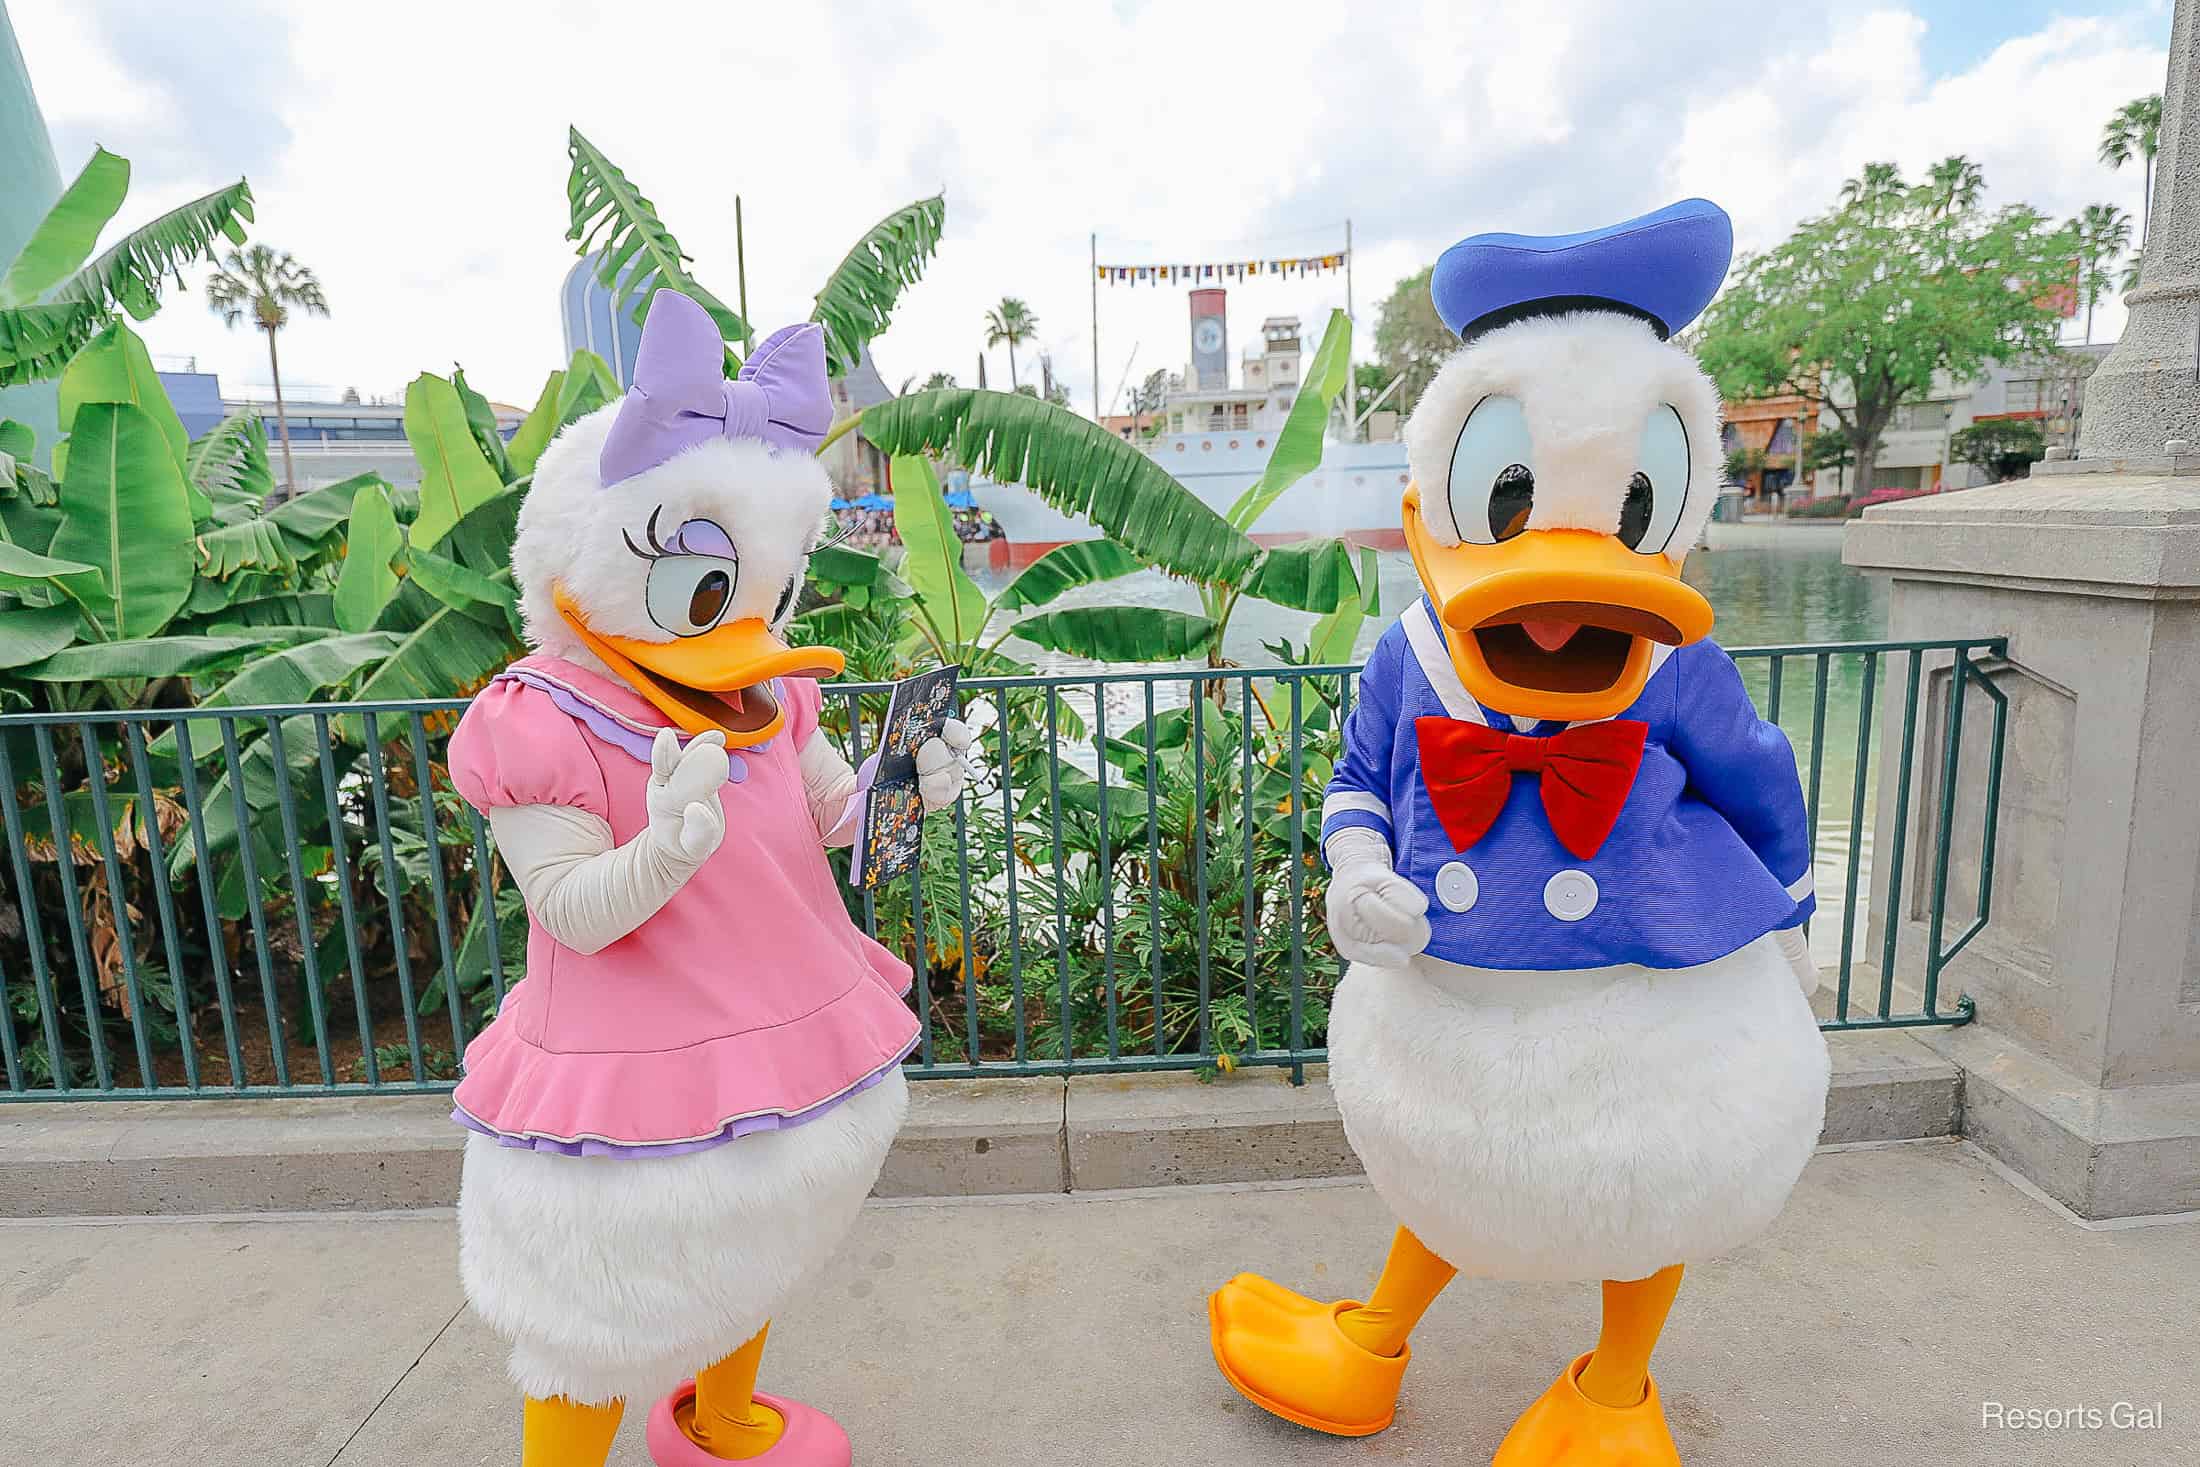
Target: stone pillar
[
  {"x": 2082, "y": 1068},
  {"x": 2147, "y": 390}
]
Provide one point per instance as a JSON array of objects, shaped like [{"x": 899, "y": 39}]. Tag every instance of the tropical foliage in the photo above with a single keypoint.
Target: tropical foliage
[
  {"x": 1411, "y": 340},
  {"x": 2104, "y": 233},
  {"x": 2003, "y": 447},
  {"x": 1891, "y": 285},
  {"x": 2135, "y": 131},
  {"x": 1010, "y": 323},
  {"x": 55, "y": 297},
  {"x": 266, "y": 285}
]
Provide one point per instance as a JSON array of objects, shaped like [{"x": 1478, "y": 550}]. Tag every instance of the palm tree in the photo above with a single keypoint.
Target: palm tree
[
  {"x": 1012, "y": 322},
  {"x": 2135, "y": 131},
  {"x": 1953, "y": 184},
  {"x": 267, "y": 285},
  {"x": 2104, "y": 233}
]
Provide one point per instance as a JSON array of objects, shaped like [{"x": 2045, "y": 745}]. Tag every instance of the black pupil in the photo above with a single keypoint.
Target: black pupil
[
  {"x": 1634, "y": 515},
  {"x": 1512, "y": 495},
  {"x": 786, "y": 598},
  {"x": 708, "y": 598}
]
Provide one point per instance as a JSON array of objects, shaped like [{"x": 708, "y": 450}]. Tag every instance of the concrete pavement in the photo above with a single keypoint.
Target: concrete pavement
[{"x": 1905, "y": 1287}]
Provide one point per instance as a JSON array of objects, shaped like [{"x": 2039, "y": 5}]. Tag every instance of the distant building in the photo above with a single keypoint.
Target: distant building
[
  {"x": 329, "y": 440},
  {"x": 593, "y": 323},
  {"x": 1268, "y": 373},
  {"x": 1914, "y": 449}
]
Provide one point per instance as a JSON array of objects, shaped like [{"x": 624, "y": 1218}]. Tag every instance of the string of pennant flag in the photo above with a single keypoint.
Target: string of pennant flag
[{"x": 1220, "y": 270}]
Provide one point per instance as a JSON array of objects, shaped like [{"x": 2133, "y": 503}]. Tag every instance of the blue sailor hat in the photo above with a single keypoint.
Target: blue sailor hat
[{"x": 1663, "y": 267}]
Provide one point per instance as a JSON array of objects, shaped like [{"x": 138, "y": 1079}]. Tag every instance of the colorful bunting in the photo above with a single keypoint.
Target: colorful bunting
[{"x": 1173, "y": 274}]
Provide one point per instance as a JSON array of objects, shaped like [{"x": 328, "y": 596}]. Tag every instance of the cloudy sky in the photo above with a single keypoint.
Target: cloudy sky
[{"x": 413, "y": 153}]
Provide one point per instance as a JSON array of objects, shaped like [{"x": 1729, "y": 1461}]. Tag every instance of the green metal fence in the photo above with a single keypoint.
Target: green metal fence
[{"x": 293, "y": 900}]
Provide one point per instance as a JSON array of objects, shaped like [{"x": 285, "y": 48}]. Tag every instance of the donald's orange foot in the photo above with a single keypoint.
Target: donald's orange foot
[
  {"x": 1564, "y": 1428},
  {"x": 1286, "y": 1354}
]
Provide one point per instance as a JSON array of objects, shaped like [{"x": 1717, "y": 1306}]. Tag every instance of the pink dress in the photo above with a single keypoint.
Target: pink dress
[{"x": 749, "y": 1002}]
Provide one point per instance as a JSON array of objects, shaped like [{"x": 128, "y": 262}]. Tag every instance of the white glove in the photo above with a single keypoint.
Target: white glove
[
  {"x": 1794, "y": 945},
  {"x": 943, "y": 765},
  {"x": 1376, "y": 916},
  {"x": 685, "y": 818}
]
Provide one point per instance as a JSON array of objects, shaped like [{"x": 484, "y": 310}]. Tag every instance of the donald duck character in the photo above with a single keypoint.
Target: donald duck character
[
  {"x": 1570, "y": 863},
  {"x": 678, "y": 1111}
]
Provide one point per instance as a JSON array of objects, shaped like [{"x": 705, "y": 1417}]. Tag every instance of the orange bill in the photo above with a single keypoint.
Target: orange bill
[
  {"x": 719, "y": 679},
  {"x": 1554, "y": 623}
]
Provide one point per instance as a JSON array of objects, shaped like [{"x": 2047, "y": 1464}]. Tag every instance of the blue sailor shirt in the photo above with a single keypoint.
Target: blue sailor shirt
[{"x": 1711, "y": 850}]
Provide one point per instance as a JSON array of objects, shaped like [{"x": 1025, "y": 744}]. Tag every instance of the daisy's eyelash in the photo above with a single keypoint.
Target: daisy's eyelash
[{"x": 656, "y": 549}]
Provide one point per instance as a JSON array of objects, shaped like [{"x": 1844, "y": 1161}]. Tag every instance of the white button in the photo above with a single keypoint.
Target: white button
[
  {"x": 1570, "y": 895},
  {"x": 1456, "y": 887}
]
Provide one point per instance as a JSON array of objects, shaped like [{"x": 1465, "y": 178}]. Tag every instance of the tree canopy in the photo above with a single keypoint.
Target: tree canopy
[
  {"x": 2001, "y": 446},
  {"x": 1411, "y": 339},
  {"x": 1892, "y": 285}
]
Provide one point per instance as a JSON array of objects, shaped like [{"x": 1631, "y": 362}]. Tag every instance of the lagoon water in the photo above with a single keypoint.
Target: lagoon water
[{"x": 1769, "y": 585}]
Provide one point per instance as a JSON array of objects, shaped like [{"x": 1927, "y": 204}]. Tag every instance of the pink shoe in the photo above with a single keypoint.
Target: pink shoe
[{"x": 811, "y": 1438}]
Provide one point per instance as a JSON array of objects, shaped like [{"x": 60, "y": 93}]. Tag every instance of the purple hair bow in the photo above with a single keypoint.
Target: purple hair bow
[{"x": 680, "y": 396}]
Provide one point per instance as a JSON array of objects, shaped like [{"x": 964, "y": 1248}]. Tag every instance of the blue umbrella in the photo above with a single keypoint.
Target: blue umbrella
[
  {"x": 874, "y": 501},
  {"x": 839, "y": 503},
  {"x": 961, "y": 499}
]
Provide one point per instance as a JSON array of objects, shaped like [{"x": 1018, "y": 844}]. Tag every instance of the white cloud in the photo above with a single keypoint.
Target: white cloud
[
  {"x": 413, "y": 153},
  {"x": 2029, "y": 113}
]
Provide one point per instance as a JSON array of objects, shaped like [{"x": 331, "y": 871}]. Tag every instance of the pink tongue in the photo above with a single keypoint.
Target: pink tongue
[{"x": 1550, "y": 635}]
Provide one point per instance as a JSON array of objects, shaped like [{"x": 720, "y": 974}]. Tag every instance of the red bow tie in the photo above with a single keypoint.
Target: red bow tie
[{"x": 1585, "y": 774}]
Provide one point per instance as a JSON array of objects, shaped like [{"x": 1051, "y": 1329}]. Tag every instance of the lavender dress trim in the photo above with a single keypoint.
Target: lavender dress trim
[
  {"x": 615, "y": 728},
  {"x": 733, "y": 1130}
]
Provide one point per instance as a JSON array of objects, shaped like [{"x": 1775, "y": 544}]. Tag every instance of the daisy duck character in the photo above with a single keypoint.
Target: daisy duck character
[
  {"x": 678, "y": 1111},
  {"x": 1570, "y": 863}
]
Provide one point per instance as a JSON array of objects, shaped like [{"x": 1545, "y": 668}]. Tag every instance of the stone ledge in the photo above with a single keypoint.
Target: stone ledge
[
  {"x": 963, "y": 1138},
  {"x": 2127, "y": 1152}
]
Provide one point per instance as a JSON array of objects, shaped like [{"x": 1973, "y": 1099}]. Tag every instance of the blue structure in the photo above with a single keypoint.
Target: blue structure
[
  {"x": 594, "y": 323},
  {"x": 198, "y": 400}
]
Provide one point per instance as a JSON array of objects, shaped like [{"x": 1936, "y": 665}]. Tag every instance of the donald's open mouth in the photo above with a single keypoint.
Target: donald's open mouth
[{"x": 1567, "y": 646}]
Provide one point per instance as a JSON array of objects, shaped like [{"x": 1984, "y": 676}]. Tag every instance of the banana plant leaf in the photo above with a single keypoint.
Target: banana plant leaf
[
  {"x": 611, "y": 217},
  {"x": 1064, "y": 568},
  {"x": 229, "y": 466},
  {"x": 250, "y": 544},
  {"x": 115, "y": 367},
  {"x": 147, "y": 658},
  {"x": 444, "y": 653},
  {"x": 588, "y": 385},
  {"x": 64, "y": 239},
  {"x": 256, "y": 766},
  {"x": 298, "y": 674},
  {"x": 37, "y": 340},
  {"x": 123, "y": 509},
  {"x": 454, "y": 477},
  {"x": 950, "y": 602},
  {"x": 23, "y": 570},
  {"x": 481, "y": 420},
  {"x": 1311, "y": 575},
  {"x": 311, "y": 518},
  {"x": 857, "y": 577},
  {"x": 31, "y": 634},
  {"x": 1298, "y": 447},
  {"x": 1119, "y": 633},
  {"x": 367, "y": 581},
  {"x": 858, "y": 299},
  {"x": 274, "y": 609},
  {"x": 1073, "y": 465},
  {"x": 1338, "y": 633},
  {"x": 535, "y": 430},
  {"x": 460, "y": 587}
]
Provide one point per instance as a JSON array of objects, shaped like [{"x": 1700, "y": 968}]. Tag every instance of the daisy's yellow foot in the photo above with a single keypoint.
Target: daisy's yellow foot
[
  {"x": 1564, "y": 1428},
  {"x": 1286, "y": 1354}
]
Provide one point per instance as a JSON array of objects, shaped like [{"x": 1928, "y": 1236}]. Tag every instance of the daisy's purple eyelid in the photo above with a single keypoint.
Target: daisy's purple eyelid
[{"x": 701, "y": 537}]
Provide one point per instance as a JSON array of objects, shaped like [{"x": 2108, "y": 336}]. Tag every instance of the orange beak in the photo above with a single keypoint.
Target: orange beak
[
  {"x": 1554, "y": 623},
  {"x": 717, "y": 680}
]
